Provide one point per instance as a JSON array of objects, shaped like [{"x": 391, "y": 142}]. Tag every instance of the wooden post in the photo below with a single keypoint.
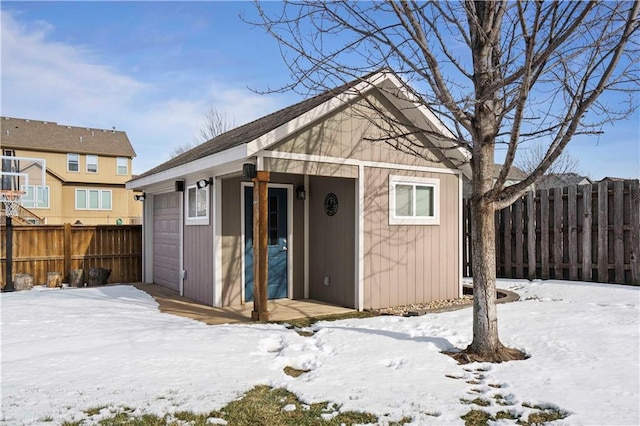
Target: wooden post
[
  {"x": 8, "y": 281},
  {"x": 260, "y": 258},
  {"x": 67, "y": 252},
  {"x": 603, "y": 231},
  {"x": 587, "y": 199},
  {"x": 634, "y": 225},
  {"x": 531, "y": 234}
]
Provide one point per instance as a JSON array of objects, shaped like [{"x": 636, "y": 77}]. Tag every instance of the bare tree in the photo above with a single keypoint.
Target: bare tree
[
  {"x": 529, "y": 158},
  {"x": 499, "y": 73},
  {"x": 214, "y": 123}
]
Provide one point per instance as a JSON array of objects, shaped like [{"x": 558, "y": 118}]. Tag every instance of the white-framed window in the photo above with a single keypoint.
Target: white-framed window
[
  {"x": 414, "y": 200},
  {"x": 73, "y": 162},
  {"x": 197, "y": 205},
  {"x": 92, "y": 163},
  {"x": 93, "y": 199},
  {"x": 122, "y": 165},
  {"x": 35, "y": 197}
]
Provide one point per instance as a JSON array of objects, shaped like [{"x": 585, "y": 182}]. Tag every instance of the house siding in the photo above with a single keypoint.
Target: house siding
[
  {"x": 198, "y": 259},
  {"x": 62, "y": 194},
  {"x": 231, "y": 243},
  {"x": 332, "y": 242},
  {"x": 347, "y": 132},
  {"x": 409, "y": 263}
]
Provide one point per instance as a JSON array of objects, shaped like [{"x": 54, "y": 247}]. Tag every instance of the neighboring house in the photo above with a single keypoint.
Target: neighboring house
[
  {"x": 561, "y": 180},
  {"x": 353, "y": 221},
  {"x": 73, "y": 173},
  {"x": 515, "y": 175}
]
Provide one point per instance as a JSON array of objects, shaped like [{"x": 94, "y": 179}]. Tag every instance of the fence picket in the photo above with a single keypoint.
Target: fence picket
[{"x": 591, "y": 232}]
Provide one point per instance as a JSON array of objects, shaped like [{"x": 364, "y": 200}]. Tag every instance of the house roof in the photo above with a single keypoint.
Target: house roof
[
  {"x": 34, "y": 135},
  {"x": 250, "y": 131},
  {"x": 514, "y": 174},
  {"x": 258, "y": 131},
  {"x": 560, "y": 180}
]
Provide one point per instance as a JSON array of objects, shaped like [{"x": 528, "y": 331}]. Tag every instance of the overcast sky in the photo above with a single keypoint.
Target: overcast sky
[{"x": 152, "y": 69}]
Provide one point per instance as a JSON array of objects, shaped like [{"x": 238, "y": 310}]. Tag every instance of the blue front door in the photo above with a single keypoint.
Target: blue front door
[{"x": 277, "y": 233}]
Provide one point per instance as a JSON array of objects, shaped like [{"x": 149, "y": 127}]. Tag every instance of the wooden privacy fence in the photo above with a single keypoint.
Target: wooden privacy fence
[
  {"x": 579, "y": 233},
  {"x": 40, "y": 249}
]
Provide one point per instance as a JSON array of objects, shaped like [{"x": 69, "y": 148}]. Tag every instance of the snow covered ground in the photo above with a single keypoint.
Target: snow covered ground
[{"x": 64, "y": 351}]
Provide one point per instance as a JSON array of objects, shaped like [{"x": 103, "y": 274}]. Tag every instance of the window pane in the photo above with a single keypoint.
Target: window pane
[
  {"x": 424, "y": 201},
  {"x": 404, "y": 200},
  {"x": 72, "y": 162},
  {"x": 81, "y": 199},
  {"x": 121, "y": 165},
  {"x": 191, "y": 201},
  {"x": 94, "y": 199},
  {"x": 92, "y": 163},
  {"x": 106, "y": 200},
  {"x": 44, "y": 199},
  {"x": 202, "y": 202}
]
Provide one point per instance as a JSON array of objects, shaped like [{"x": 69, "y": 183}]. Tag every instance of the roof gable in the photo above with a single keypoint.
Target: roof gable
[
  {"x": 263, "y": 132},
  {"x": 34, "y": 135}
]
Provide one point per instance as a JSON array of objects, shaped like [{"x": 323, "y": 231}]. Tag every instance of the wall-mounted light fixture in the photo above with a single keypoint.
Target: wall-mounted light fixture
[
  {"x": 301, "y": 193},
  {"x": 203, "y": 183},
  {"x": 179, "y": 186},
  {"x": 249, "y": 171},
  {"x": 139, "y": 197}
]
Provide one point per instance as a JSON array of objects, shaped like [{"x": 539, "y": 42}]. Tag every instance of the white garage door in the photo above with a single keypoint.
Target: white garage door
[{"x": 166, "y": 240}]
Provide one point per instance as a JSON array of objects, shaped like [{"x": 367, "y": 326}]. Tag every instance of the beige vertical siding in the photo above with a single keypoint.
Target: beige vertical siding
[
  {"x": 231, "y": 243},
  {"x": 198, "y": 259},
  {"x": 332, "y": 242},
  {"x": 409, "y": 263},
  {"x": 353, "y": 132}
]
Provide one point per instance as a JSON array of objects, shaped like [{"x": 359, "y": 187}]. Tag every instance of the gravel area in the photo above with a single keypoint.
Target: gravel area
[{"x": 424, "y": 308}]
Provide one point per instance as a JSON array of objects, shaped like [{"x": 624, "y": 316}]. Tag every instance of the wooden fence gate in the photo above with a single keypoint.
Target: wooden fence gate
[
  {"x": 579, "y": 233},
  {"x": 39, "y": 249}
]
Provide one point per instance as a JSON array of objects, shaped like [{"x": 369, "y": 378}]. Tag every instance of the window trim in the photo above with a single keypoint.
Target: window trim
[
  {"x": 100, "y": 194},
  {"x": 25, "y": 201},
  {"x": 87, "y": 163},
  {"x": 126, "y": 166},
  {"x": 69, "y": 162},
  {"x": 414, "y": 181},
  {"x": 198, "y": 220}
]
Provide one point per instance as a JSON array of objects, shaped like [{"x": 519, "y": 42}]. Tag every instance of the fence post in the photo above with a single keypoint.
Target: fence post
[
  {"x": 531, "y": 234},
  {"x": 67, "y": 251},
  {"x": 587, "y": 199},
  {"x": 634, "y": 222},
  {"x": 603, "y": 230}
]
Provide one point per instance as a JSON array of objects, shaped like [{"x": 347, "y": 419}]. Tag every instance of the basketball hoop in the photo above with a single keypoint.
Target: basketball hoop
[{"x": 11, "y": 202}]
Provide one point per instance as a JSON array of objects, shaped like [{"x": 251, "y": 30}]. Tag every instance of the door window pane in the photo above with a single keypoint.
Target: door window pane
[{"x": 191, "y": 200}]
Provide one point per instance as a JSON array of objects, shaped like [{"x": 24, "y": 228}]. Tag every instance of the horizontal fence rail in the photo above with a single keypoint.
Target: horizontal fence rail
[
  {"x": 578, "y": 233},
  {"x": 40, "y": 249}
]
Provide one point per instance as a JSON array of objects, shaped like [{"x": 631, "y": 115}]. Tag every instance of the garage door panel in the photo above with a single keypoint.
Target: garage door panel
[{"x": 166, "y": 240}]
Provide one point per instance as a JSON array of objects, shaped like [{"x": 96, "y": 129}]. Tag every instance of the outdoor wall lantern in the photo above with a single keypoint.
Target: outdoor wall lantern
[
  {"x": 203, "y": 183},
  {"x": 301, "y": 194},
  {"x": 139, "y": 197},
  {"x": 249, "y": 171}
]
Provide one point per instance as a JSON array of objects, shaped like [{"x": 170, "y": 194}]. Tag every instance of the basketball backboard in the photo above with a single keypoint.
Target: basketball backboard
[{"x": 26, "y": 175}]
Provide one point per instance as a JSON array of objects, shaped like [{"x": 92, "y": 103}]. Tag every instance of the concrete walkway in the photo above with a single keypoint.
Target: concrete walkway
[{"x": 280, "y": 310}]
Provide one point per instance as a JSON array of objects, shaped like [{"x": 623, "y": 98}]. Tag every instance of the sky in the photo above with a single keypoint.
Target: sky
[
  {"x": 152, "y": 69},
  {"x": 65, "y": 351}
]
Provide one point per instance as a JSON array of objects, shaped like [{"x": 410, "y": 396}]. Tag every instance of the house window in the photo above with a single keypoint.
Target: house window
[
  {"x": 92, "y": 164},
  {"x": 73, "y": 162},
  {"x": 122, "y": 166},
  {"x": 197, "y": 205},
  {"x": 413, "y": 201},
  {"x": 93, "y": 199},
  {"x": 35, "y": 197}
]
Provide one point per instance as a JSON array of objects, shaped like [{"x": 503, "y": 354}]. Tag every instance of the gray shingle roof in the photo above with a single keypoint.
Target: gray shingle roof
[
  {"x": 253, "y": 130},
  {"x": 27, "y": 134}
]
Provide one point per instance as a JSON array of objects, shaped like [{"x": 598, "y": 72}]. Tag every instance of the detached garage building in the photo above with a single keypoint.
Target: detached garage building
[{"x": 363, "y": 212}]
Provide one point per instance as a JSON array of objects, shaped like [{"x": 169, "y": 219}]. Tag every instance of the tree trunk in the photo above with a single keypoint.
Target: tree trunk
[{"x": 486, "y": 345}]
